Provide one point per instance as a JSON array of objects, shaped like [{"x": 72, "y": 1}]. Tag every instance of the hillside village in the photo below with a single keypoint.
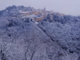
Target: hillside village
[
  {"x": 30, "y": 12},
  {"x": 34, "y": 14}
]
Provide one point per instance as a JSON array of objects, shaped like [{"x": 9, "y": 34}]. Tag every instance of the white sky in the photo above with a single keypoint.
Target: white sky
[{"x": 71, "y": 7}]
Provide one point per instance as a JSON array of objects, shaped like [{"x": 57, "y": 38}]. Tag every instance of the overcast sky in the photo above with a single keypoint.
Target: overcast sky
[{"x": 71, "y": 7}]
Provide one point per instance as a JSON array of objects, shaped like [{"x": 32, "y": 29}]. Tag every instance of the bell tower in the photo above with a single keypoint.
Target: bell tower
[{"x": 44, "y": 11}]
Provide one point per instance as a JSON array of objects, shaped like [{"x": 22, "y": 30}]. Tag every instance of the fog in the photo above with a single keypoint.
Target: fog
[{"x": 70, "y": 7}]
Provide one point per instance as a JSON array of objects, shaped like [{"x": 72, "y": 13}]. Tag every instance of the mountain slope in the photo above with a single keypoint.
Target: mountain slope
[{"x": 23, "y": 39}]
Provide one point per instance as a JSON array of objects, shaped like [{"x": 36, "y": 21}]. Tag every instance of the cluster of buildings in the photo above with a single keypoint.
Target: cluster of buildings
[
  {"x": 34, "y": 14},
  {"x": 37, "y": 14}
]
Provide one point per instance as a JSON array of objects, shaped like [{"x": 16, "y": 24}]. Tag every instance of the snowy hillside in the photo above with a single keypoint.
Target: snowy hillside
[{"x": 27, "y": 33}]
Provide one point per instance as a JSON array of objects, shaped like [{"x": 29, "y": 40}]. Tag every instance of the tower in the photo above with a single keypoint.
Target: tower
[{"x": 44, "y": 11}]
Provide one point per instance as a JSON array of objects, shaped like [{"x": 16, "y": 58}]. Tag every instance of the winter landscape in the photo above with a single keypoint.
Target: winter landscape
[{"x": 27, "y": 33}]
